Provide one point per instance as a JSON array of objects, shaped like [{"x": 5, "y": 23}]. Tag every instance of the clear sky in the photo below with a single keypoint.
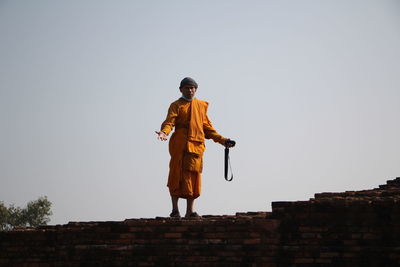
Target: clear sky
[{"x": 310, "y": 90}]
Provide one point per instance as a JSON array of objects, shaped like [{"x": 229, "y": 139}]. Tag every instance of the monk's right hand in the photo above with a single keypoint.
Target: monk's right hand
[{"x": 161, "y": 136}]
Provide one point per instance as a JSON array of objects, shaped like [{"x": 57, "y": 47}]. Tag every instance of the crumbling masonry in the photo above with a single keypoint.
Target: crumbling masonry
[{"x": 357, "y": 228}]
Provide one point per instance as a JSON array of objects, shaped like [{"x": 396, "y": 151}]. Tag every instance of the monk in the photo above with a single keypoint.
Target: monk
[{"x": 192, "y": 126}]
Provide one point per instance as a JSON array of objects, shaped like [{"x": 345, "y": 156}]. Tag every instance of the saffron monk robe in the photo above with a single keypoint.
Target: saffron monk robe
[{"x": 192, "y": 126}]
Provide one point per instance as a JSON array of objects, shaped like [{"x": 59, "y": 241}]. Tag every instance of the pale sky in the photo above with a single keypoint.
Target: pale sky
[{"x": 310, "y": 90}]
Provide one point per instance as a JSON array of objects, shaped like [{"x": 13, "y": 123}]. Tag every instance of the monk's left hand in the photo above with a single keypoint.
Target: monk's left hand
[{"x": 230, "y": 143}]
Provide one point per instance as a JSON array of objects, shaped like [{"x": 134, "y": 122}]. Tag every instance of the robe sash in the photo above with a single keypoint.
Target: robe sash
[{"x": 196, "y": 135}]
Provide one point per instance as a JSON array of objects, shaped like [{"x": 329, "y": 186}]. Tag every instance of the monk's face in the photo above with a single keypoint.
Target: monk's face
[{"x": 188, "y": 91}]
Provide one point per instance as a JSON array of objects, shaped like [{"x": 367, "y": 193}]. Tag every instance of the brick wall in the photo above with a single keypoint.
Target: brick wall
[
  {"x": 358, "y": 228},
  {"x": 355, "y": 228}
]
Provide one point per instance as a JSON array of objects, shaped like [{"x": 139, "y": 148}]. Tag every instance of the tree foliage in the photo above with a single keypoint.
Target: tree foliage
[{"x": 35, "y": 213}]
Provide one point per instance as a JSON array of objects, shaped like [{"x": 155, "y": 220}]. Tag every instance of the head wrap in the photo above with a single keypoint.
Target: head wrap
[{"x": 188, "y": 81}]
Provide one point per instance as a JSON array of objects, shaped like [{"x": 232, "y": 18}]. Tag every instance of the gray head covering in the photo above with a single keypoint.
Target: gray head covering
[{"x": 188, "y": 81}]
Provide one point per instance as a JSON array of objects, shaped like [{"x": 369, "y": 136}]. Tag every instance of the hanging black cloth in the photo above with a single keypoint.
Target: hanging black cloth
[{"x": 229, "y": 143}]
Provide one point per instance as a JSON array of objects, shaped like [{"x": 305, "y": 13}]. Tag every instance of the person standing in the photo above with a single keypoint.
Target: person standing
[{"x": 188, "y": 115}]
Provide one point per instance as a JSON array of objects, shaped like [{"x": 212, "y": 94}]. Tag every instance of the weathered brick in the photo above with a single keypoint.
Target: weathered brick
[
  {"x": 370, "y": 236},
  {"x": 127, "y": 235},
  {"x": 252, "y": 241},
  {"x": 350, "y": 255},
  {"x": 308, "y": 235},
  {"x": 179, "y": 228},
  {"x": 323, "y": 261},
  {"x": 304, "y": 260},
  {"x": 329, "y": 254},
  {"x": 215, "y": 235},
  {"x": 173, "y": 235}
]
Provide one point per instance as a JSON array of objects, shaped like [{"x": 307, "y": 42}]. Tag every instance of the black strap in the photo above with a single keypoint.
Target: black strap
[{"x": 227, "y": 161}]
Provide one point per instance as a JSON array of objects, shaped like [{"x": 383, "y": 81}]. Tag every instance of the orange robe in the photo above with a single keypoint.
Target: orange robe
[{"x": 186, "y": 145}]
